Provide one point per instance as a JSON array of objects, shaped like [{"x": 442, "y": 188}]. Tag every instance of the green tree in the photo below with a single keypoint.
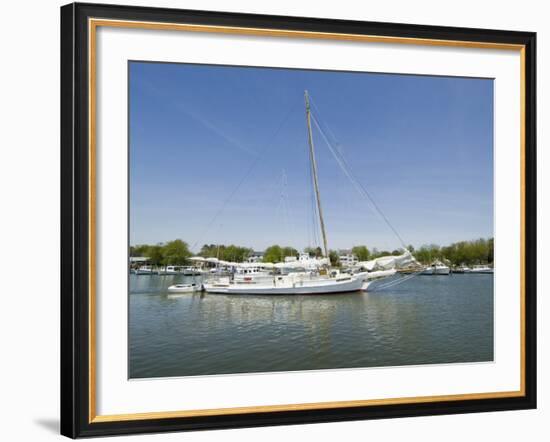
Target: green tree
[
  {"x": 334, "y": 258},
  {"x": 479, "y": 251},
  {"x": 314, "y": 252},
  {"x": 175, "y": 252},
  {"x": 155, "y": 254},
  {"x": 427, "y": 254},
  {"x": 208, "y": 250},
  {"x": 139, "y": 250},
  {"x": 383, "y": 253},
  {"x": 234, "y": 253},
  {"x": 231, "y": 252},
  {"x": 276, "y": 253},
  {"x": 273, "y": 253},
  {"x": 289, "y": 251},
  {"x": 362, "y": 253}
]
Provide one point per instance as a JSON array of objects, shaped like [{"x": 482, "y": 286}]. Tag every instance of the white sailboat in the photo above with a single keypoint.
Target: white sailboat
[
  {"x": 311, "y": 277},
  {"x": 292, "y": 284}
]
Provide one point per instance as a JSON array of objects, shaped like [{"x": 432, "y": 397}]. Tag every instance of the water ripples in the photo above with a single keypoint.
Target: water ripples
[{"x": 425, "y": 320}]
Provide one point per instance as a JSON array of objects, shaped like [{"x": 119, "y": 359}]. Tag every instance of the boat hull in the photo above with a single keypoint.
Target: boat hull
[
  {"x": 439, "y": 271},
  {"x": 374, "y": 277},
  {"x": 315, "y": 287},
  {"x": 183, "y": 289}
]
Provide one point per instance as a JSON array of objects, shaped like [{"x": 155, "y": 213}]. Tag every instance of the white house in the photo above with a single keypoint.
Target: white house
[
  {"x": 255, "y": 257},
  {"x": 348, "y": 259}
]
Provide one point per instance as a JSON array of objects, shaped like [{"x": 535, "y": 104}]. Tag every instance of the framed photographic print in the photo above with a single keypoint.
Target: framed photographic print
[{"x": 274, "y": 220}]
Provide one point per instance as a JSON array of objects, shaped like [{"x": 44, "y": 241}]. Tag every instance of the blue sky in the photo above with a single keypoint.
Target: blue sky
[{"x": 422, "y": 146}]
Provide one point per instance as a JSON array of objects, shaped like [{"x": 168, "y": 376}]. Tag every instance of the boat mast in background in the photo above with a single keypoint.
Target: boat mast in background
[{"x": 314, "y": 173}]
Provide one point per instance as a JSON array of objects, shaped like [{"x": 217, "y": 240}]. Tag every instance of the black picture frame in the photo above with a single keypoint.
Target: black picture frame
[{"x": 75, "y": 221}]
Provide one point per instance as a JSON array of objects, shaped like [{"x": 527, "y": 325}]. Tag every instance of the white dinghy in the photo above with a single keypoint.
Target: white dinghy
[{"x": 185, "y": 288}]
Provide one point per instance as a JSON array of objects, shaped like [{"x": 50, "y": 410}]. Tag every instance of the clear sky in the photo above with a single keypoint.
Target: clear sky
[{"x": 421, "y": 145}]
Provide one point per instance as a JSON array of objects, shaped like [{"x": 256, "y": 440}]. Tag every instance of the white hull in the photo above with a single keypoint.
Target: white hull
[
  {"x": 191, "y": 271},
  {"x": 487, "y": 270},
  {"x": 286, "y": 287},
  {"x": 369, "y": 277},
  {"x": 443, "y": 270},
  {"x": 145, "y": 271},
  {"x": 184, "y": 288}
]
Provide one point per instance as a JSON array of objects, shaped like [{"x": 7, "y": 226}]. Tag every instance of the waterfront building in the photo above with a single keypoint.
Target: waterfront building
[
  {"x": 347, "y": 259},
  {"x": 255, "y": 257}
]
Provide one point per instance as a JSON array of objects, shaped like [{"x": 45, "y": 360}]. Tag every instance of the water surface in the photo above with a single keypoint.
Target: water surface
[{"x": 426, "y": 320}]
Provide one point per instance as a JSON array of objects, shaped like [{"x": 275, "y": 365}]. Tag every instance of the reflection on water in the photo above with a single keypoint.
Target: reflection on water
[{"x": 423, "y": 321}]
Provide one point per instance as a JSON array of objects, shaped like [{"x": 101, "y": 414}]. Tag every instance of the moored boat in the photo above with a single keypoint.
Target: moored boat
[
  {"x": 308, "y": 275},
  {"x": 483, "y": 269},
  {"x": 170, "y": 270},
  {"x": 291, "y": 284},
  {"x": 145, "y": 270},
  {"x": 185, "y": 288},
  {"x": 437, "y": 269},
  {"x": 191, "y": 271}
]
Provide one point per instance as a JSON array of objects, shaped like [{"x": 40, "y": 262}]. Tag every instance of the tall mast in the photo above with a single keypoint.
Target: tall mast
[{"x": 314, "y": 170}]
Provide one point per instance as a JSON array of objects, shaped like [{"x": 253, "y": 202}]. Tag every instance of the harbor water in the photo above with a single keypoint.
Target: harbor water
[{"x": 425, "y": 320}]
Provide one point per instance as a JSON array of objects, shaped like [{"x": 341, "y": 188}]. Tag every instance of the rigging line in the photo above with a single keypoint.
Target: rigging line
[
  {"x": 346, "y": 169},
  {"x": 321, "y": 121},
  {"x": 398, "y": 281},
  {"x": 338, "y": 148},
  {"x": 246, "y": 175},
  {"x": 287, "y": 209}
]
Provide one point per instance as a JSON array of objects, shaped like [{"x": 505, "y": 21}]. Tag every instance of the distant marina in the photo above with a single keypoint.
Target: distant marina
[
  {"x": 319, "y": 273},
  {"x": 254, "y": 271}
]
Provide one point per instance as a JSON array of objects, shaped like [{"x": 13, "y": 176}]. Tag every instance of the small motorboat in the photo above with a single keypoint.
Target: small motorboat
[
  {"x": 437, "y": 268},
  {"x": 145, "y": 270},
  {"x": 185, "y": 288},
  {"x": 482, "y": 269}
]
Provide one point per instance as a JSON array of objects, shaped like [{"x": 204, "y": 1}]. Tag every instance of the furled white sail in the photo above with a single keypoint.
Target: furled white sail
[
  {"x": 387, "y": 262},
  {"x": 306, "y": 264}
]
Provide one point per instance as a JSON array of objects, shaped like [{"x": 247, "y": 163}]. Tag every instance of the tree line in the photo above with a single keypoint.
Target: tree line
[
  {"x": 177, "y": 252},
  {"x": 171, "y": 253},
  {"x": 480, "y": 251},
  {"x": 230, "y": 253}
]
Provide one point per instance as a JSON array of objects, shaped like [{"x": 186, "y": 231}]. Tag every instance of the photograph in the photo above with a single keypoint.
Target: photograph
[
  {"x": 286, "y": 219},
  {"x": 272, "y": 220}
]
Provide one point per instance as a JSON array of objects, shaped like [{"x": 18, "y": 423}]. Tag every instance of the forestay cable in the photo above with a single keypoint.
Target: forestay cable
[{"x": 341, "y": 161}]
